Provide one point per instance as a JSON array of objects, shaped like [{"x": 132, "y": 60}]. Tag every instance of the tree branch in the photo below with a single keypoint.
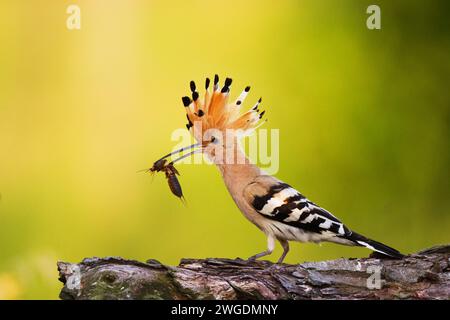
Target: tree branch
[{"x": 424, "y": 275}]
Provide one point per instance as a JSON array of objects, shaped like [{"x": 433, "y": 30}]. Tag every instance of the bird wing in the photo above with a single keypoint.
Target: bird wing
[{"x": 278, "y": 201}]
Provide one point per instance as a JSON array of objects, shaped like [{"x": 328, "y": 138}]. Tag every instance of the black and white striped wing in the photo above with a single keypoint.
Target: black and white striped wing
[
  {"x": 284, "y": 204},
  {"x": 290, "y": 216}
]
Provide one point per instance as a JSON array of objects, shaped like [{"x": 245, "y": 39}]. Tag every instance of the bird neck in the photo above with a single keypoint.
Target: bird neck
[{"x": 238, "y": 175}]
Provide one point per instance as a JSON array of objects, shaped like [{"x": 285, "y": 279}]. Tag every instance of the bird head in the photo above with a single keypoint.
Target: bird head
[{"x": 216, "y": 122}]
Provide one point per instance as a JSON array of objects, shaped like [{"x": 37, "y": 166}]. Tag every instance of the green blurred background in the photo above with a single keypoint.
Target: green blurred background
[{"x": 364, "y": 119}]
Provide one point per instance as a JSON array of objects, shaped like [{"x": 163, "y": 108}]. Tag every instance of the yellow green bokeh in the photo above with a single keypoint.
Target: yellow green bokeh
[{"x": 364, "y": 119}]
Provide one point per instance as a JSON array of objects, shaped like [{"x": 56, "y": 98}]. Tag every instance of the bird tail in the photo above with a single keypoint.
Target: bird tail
[{"x": 362, "y": 241}]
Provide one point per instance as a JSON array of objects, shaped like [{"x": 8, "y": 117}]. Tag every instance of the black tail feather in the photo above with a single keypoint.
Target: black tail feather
[{"x": 362, "y": 241}]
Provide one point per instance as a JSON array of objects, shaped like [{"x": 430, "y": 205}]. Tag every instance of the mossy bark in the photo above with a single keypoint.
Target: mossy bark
[{"x": 425, "y": 275}]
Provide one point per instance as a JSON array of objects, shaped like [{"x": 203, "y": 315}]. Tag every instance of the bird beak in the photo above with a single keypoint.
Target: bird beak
[{"x": 180, "y": 150}]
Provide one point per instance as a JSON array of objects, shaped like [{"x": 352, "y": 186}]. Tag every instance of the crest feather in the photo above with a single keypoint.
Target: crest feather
[{"x": 215, "y": 112}]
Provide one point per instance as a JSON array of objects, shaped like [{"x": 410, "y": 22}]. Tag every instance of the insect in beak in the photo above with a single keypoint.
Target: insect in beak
[
  {"x": 172, "y": 180},
  {"x": 169, "y": 169}
]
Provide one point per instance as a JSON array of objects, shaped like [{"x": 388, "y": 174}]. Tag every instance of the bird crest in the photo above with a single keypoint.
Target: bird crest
[{"x": 215, "y": 111}]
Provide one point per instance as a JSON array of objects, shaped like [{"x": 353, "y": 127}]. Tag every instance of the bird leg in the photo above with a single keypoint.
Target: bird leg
[
  {"x": 285, "y": 245},
  {"x": 270, "y": 247}
]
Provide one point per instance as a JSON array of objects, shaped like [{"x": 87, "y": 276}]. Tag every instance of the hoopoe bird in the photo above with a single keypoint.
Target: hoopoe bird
[{"x": 276, "y": 208}]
